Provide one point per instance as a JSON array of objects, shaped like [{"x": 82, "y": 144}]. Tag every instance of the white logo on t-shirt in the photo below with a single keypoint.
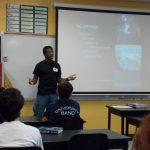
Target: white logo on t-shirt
[{"x": 55, "y": 69}]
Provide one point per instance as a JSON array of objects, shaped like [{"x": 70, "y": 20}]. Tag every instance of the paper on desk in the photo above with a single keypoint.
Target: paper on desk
[{"x": 121, "y": 106}]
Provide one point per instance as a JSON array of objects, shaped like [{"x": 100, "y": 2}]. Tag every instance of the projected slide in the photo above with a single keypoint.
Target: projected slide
[
  {"x": 129, "y": 56},
  {"x": 109, "y": 52},
  {"x": 128, "y": 29}
]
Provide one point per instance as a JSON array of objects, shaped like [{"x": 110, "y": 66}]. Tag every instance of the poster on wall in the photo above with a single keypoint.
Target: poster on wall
[
  {"x": 13, "y": 17},
  {"x": 27, "y": 19}
]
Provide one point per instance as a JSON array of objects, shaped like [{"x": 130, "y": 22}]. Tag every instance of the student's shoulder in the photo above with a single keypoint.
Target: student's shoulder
[
  {"x": 28, "y": 128},
  {"x": 32, "y": 129},
  {"x": 52, "y": 105}
]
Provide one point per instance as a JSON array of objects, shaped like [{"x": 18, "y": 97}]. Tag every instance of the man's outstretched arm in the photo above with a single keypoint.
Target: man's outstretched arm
[{"x": 69, "y": 78}]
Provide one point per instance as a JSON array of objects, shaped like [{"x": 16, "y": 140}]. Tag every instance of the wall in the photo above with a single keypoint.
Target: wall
[
  {"x": 51, "y": 13},
  {"x": 94, "y": 112}
]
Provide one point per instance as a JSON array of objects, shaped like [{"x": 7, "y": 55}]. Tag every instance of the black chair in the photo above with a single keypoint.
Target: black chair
[
  {"x": 88, "y": 142},
  {"x": 21, "y": 148},
  {"x": 69, "y": 123}
]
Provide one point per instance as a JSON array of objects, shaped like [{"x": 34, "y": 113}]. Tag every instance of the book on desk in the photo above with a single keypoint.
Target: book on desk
[
  {"x": 50, "y": 130},
  {"x": 137, "y": 105}
]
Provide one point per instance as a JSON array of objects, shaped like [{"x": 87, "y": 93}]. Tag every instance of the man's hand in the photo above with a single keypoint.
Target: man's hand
[
  {"x": 31, "y": 82},
  {"x": 44, "y": 119},
  {"x": 71, "y": 77}
]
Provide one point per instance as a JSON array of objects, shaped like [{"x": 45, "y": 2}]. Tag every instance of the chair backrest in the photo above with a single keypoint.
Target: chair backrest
[
  {"x": 69, "y": 123},
  {"x": 21, "y": 148},
  {"x": 88, "y": 142}
]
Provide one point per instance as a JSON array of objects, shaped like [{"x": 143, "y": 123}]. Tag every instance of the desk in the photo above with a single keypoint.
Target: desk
[
  {"x": 60, "y": 142},
  {"x": 133, "y": 121},
  {"x": 33, "y": 121},
  {"x": 123, "y": 113}
]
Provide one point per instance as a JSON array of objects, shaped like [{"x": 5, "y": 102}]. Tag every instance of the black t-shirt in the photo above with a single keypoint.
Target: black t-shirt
[
  {"x": 48, "y": 73},
  {"x": 62, "y": 108}
]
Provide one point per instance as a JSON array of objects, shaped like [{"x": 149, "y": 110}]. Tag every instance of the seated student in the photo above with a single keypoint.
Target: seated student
[
  {"x": 14, "y": 133},
  {"x": 142, "y": 137},
  {"x": 64, "y": 107}
]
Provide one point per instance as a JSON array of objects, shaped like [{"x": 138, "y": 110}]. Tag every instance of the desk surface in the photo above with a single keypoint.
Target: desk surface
[
  {"x": 115, "y": 140},
  {"x": 33, "y": 121},
  {"x": 29, "y": 119},
  {"x": 60, "y": 141},
  {"x": 126, "y": 110},
  {"x": 67, "y": 134}
]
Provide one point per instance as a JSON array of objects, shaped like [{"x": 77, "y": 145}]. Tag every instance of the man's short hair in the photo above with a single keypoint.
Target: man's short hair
[
  {"x": 45, "y": 48},
  {"x": 64, "y": 90},
  {"x": 11, "y": 103}
]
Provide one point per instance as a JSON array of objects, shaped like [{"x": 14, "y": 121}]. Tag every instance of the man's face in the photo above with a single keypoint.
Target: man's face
[{"x": 49, "y": 54}]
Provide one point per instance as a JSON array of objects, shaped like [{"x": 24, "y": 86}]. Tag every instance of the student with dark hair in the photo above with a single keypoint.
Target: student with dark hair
[
  {"x": 142, "y": 137},
  {"x": 49, "y": 74},
  {"x": 14, "y": 133},
  {"x": 64, "y": 107}
]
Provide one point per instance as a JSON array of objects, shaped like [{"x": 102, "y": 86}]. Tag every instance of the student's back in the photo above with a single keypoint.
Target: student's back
[
  {"x": 64, "y": 107},
  {"x": 17, "y": 134},
  {"x": 14, "y": 133}
]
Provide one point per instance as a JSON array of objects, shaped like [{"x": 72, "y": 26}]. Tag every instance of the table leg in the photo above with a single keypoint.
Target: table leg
[
  {"x": 109, "y": 119},
  {"x": 127, "y": 127},
  {"x": 122, "y": 125}
]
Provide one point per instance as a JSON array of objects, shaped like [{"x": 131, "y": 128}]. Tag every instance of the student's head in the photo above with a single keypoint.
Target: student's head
[
  {"x": 11, "y": 103},
  {"x": 64, "y": 90},
  {"x": 142, "y": 136},
  {"x": 48, "y": 52}
]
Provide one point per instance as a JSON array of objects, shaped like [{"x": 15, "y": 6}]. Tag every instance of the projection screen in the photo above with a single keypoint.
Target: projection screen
[{"x": 108, "y": 50}]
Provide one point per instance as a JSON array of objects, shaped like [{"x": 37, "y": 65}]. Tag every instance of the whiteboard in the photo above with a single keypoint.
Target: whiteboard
[{"x": 20, "y": 54}]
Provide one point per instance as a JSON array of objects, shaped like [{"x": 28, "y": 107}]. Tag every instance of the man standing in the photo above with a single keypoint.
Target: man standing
[{"x": 49, "y": 74}]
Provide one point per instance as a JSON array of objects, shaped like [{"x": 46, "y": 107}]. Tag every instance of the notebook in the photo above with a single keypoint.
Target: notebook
[
  {"x": 50, "y": 130},
  {"x": 137, "y": 105}
]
